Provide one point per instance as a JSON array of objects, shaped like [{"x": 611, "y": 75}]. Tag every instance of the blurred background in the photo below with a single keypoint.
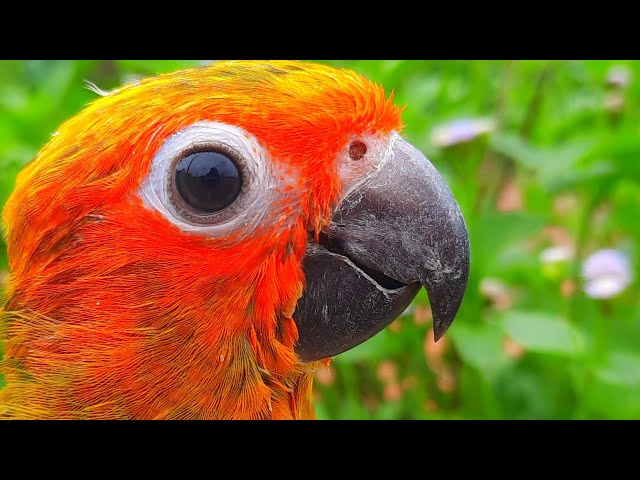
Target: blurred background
[{"x": 544, "y": 159}]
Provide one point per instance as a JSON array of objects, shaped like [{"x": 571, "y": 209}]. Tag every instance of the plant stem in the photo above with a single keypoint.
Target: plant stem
[
  {"x": 583, "y": 377},
  {"x": 533, "y": 111}
]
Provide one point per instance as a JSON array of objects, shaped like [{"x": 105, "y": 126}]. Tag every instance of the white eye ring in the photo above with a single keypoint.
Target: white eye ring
[{"x": 254, "y": 200}]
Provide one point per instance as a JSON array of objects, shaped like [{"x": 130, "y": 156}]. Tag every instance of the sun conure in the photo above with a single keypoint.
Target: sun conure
[{"x": 193, "y": 245}]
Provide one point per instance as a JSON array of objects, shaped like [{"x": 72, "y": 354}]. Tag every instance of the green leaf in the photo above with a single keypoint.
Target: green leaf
[
  {"x": 607, "y": 400},
  {"x": 13, "y": 98},
  {"x": 594, "y": 174},
  {"x": 543, "y": 332},
  {"x": 493, "y": 234},
  {"x": 547, "y": 162},
  {"x": 321, "y": 411},
  {"x": 622, "y": 148},
  {"x": 153, "y": 67},
  {"x": 524, "y": 395},
  {"x": 388, "y": 411},
  {"x": 381, "y": 346},
  {"x": 481, "y": 346},
  {"x": 621, "y": 368},
  {"x": 59, "y": 80}
]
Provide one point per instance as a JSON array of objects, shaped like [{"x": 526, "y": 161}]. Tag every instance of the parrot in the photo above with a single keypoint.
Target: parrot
[{"x": 195, "y": 244}]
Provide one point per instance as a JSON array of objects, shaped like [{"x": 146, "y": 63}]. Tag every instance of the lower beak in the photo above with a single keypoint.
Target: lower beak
[{"x": 400, "y": 230}]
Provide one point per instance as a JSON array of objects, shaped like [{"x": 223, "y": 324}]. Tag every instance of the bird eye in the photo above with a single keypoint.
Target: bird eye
[
  {"x": 212, "y": 178},
  {"x": 207, "y": 181}
]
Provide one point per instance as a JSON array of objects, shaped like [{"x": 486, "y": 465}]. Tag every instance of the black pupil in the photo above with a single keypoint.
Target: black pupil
[{"x": 208, "y": 181}]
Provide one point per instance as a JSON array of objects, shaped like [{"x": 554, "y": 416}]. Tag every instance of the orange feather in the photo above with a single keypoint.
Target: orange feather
[{"x": 114, "y": 312}]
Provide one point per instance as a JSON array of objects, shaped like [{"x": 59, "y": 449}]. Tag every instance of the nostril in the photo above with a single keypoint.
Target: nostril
[{"x": 357, "y": 150}]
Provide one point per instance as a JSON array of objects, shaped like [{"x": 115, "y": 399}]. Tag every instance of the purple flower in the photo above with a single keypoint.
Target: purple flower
[
  {"x": 606, "y": 273},
  {"x": 460, "y": 131}
]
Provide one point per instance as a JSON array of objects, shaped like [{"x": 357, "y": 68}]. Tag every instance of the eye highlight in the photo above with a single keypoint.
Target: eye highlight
[{"x": 207, "y": 180}]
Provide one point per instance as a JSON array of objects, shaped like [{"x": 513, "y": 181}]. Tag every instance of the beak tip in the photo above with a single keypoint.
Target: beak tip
[
  {"x": 439, "y": 329},
  {"x": 445, "y": 302}
]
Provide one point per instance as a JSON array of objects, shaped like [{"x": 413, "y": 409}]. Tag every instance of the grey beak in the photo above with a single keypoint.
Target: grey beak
[{"x": 398, "y": 230}]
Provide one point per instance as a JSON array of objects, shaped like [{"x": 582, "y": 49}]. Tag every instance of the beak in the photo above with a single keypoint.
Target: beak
[{"x": 399, "y": 230}]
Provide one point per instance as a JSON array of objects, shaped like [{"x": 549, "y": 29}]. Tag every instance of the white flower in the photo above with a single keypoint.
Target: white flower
[
  {"x": 554, "y": 261},
  {"x": 556, "y": 254},
  {"x": 460, "y": 131},
  {"x": 619, "y": 76},
  {"x": 606, "y": 273}
]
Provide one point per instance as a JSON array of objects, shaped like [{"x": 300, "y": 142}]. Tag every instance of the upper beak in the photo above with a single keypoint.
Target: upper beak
[{"x": 398, "y": 230}]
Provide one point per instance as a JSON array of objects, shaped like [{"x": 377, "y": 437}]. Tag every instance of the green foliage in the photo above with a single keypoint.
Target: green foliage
[{"x": 559, "y": 168}]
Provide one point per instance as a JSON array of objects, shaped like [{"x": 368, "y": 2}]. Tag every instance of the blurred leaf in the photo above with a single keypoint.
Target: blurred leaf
[
  {"x": 614, "y": 158},
  {"x": 605, "y": 400},
  {"x": 321, "y": 412},
  {"x": 379, "y": 347},
  {"x": 621, "y": 368},
  {"x": 58, "y": 76},
  {"x": 621, "y": 148},
  {"x": 388, "y": 411},
  {"x": 547, "y": 162},
  {"x": 543, "y": 332},
  {"x": 13, "y": 98},
  {"x": 626, "y": 198},
  {"x": 493, "y": 234},
  {"x": 525, "y": 395},
  {"x": 598, "y": 173},
  {"x": 481, "y": 346},
  {"x": 154, "y": 67}
]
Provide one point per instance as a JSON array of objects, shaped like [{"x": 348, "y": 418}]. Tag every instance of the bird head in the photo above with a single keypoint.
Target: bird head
[{"x": 190, "y": 245}]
